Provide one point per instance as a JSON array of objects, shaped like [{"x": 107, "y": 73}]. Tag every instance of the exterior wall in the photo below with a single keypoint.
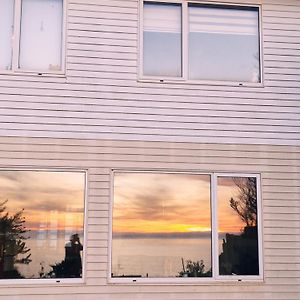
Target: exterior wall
[
  {"x": 100, "y": 96},
  {"x": 279, "y": 167},
  {"x": 99, "y": 117}
]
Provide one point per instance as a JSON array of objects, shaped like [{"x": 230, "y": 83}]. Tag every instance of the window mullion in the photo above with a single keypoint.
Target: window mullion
[
  {"x": 16, "y": 35},
  {"x": 214, "y": 225},
  {"x": 184, "y": 38}
]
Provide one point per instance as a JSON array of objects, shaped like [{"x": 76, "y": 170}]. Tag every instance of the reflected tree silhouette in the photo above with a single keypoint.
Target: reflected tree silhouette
[
  {"x": 246, "y": 203},
  {"x": 13, "y": 249},
  {"x": 194, "y": 269},
  {"x": 240, "y": 252}
]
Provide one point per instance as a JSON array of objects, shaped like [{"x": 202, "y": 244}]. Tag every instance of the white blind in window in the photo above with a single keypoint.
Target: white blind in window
[
  {"x": 223, "y": 20},
  {"x": 41, "y": 35},
  {"x": 6, "y": 32},
  {"x": 162, "y": 17}
]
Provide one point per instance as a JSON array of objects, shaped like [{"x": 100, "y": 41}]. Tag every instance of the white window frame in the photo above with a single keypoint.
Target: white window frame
[
  {"x": 216, "y": 278},
  {"x": 184, "y": 45},
  {"x": 57, "y": 281},
  {"x": 15, "y": 48}
]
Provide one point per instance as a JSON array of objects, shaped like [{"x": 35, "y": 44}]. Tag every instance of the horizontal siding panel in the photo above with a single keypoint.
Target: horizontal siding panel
[
  {"x": 99, "y": 36},
  {"x": 167, "y": 89},
  {"x": 76, "y": 25},
  {"x": 101, "y": 17},
  {"x": 103, "y": 98},
  {"x": 99, "y": 55},
  {"x": 188, "y": 134},
  {"x": 112, "y": 8},
  {"x": 98, "y": 40}
]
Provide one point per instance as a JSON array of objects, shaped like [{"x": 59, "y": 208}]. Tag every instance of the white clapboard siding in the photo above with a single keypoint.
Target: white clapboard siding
[
  {"x": 100, "y": 95},
  {"x": 279, "y": 168}
]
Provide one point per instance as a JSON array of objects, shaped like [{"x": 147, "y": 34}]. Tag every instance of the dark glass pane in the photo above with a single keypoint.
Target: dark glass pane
[
  {"x": 237, "y": 226},
  {"x": 161, "y": 225}
]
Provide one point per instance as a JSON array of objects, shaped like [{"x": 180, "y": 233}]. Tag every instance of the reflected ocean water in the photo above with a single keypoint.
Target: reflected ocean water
[{"x": 151, "y": 257}]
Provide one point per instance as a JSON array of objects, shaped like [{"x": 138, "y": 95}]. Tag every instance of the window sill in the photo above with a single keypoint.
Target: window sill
[
  {"x": 50, "y": 281},
  {"x": 188, "y": 281},
  {"x": 168, "y": 80},
  {"x": 33, "y": 73}
]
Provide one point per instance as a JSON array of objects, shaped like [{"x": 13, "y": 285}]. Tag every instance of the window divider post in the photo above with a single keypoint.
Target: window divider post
[
  {"x": 16, "y": 35},
  {"x": 214, "y": 226}
]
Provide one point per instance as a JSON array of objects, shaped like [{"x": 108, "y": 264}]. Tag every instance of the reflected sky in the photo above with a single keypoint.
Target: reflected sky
[
  {"x": 153, "y": 203},
  {"x": 228, "y": 220},
  {"x": 54, "y": 199},
  {"x": 165, "y": 203}
]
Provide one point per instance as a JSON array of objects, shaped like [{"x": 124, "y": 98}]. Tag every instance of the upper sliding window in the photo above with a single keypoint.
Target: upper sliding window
[
  {"x": 185, "y": 226},
  {"x": 41, "y": 224},
  {"x": 194, "y": 41},
  {"x": 31, "y": 35}
]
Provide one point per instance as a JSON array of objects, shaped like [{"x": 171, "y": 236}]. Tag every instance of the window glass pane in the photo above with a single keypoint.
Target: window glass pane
[
  {"x": 41, "y": 224},
  {"x": 161, "y": 225},
  {"x": 224, "y": 43},
  {"x": 41, "y": 35},
  {"x": 237, "y": 226},
  {"x": 162, "y": 39},
  {"x": 6, "y": 32}
]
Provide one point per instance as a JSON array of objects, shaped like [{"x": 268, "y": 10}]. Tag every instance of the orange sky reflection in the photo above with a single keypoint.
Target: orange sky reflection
[{"x": 165, "y": 203}]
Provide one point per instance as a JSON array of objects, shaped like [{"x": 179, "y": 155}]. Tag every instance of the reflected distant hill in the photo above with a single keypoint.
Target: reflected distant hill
[
  {"x": 163, "y": 235},
  {"x": 43, "y": 233}
]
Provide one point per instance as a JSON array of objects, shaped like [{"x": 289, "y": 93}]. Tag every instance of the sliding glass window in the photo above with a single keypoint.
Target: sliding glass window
[
  {"x": 201, "y": 41},
  {"x": 184, "y": 226}
]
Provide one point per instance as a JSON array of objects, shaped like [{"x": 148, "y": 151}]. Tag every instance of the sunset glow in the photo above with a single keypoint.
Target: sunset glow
[
  {"x": 50, "y": 200},
  {"x": 155, "y": 203},
  {"x": 161, "y": 203}
]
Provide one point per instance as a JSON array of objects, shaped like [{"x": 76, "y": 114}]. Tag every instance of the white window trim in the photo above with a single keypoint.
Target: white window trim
[
  {"x": 216, "y": 278},
  {"x": 16, "y": 46},
  {"x": 184, "y": 43},
  {"x": 57, "y": 281}
]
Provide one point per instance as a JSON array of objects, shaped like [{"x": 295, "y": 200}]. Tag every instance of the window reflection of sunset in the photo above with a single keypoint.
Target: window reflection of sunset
[
  {"x": 161, "y": 203},
  {"x": 50, "y": 200},
  {"x": 228, "y": 219},
  {"x": 61, "y": 220},
  {"x": 166, "y": 203}
]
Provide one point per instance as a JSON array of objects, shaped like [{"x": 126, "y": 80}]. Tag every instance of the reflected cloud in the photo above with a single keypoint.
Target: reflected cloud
[{"x": 145, "y": 202}]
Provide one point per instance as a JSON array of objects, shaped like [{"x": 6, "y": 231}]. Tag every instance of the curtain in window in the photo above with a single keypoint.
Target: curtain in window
[
  {"x": 223, "y": 43},
  {"x": 162, "y": 39}
]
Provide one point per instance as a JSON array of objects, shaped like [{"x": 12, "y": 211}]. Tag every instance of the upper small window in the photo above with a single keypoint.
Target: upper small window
[
  {"x": 162, "y": 39},
  {"x": 221, "y": 42},
  {"x": 31, "y": 35}
]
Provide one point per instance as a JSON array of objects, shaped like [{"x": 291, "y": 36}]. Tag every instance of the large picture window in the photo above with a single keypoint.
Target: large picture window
[
  {"x": 185, "y": 226},
  {"x": 41, "y": 224},
  {"x": 197, "y": 41},
  {"x": 31, "y": 35}
]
